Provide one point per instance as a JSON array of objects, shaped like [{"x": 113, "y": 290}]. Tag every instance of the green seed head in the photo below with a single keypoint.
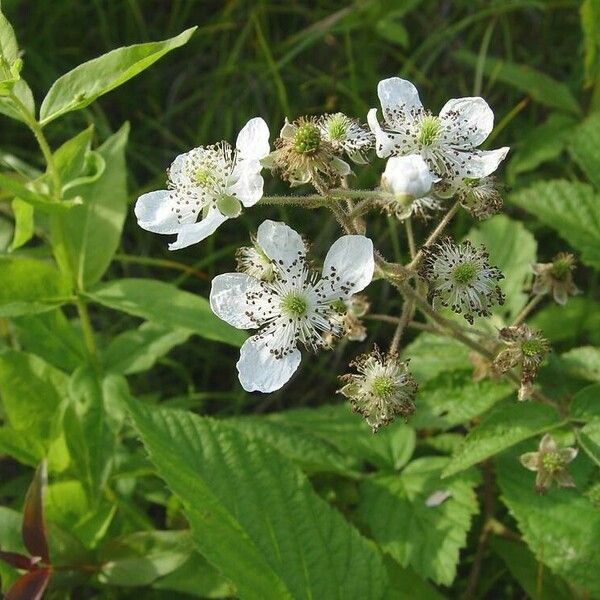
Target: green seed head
[
  {"x": 383, "y": 386},
  {"x": 430, "y": 128},
  {"x": 294, "y": 305},
  {"x": 337, "y": 127},
  {"x": 552, "y": 462},
  {"x": 561, "y": 267},
  {"x": 307, "y": 139},
  {"x": 533, "y": 347},
  {"x": 203, "y": 176},
  {"x": 464, "y": 274}
]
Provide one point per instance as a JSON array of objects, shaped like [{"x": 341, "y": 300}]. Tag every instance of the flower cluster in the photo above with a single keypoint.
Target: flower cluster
[{"x": 556, "y": 278}]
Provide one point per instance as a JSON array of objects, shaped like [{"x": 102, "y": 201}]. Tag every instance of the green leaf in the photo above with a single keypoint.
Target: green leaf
[
  {"x": 23, "y": 92},
  {"x": 583, "y": 362},
  {"x": 560, "y": 527},
  {"x": 138, "y": 559},
  {"x": 391, "y": 29},
  {"x": 536, "y": 583},
  {"x": 9, "y": 48},
  {"x": 23, "y": 213},
  {"x": 405, "y": 584},
  {"x": 572, "y": 209},
  {"x": 166, "y": 305},
  {"x": 586, "y": 403},
  {"x": 505, "y": 425},
  {"x": 453, "y": 398},
  {"x": 69, "y": 159},
  {"x": 90, "y": 80},
  {"x": 254, "y": 515},
  {"x": 428, "y": 538},
  {"x": 32, "y": 394},
  {"x": 138, "y": 350},
  {"x": 589, "y": 12},
  {"x": 585, "y": 148},
  {"x": 391, "y": 448},
  {"x": 312, "y": 453},
  {"x": 91, "y": 232},
  {"x": 431, "y": 355},
  {"x": 513, "y": 250},
  {"x": 30, "y": 286},
  {"x": 540, "y": 87},
  {"x": 543, "y": 143}
]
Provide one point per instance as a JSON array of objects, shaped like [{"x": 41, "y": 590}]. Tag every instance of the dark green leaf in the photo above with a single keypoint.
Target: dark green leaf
[{"x": 585, "y": 147}]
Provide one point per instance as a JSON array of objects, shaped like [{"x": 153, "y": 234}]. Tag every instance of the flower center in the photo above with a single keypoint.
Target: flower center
[
  {"x": 430, "y": 128},
  {"x": 532, "y": 347},
  {"x": 337, "y": 127},
  {"x": 561, "y": 268},
  {"x": 294, "y": 305},
  {"x": 464, "y": 274},
  {"x": 383, "y": 386},
  {"x": 307, "y": 139},
  {"x": 204, "y": 176},
  {"x": 552, "y": 462}
]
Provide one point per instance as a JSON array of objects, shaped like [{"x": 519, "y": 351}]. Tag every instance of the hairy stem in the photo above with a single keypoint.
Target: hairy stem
[{"x": 527, "y": 310}]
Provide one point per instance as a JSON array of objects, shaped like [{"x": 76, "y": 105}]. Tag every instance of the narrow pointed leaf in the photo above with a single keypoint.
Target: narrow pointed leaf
[
  {"x": 30, "y": 586},
  {"x": 17, "y": 560},
  {"x": 34, "y": 530}
]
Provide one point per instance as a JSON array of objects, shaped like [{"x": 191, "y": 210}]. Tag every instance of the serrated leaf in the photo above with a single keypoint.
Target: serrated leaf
[
  {"x": 428, "y": 538},
  {"x": 30, "y": 286},
  {"x": 582, "y": 362},
  {"x": 541, "y": 87},
  {"x": 453, "y": 397},
  {"x": 585, "y": 148},
  {"x": 505, "y": 425},
  {"x": 513, "y": 250},
  {"x": 560, "y": 527},
  {"x": 572, "y": 208},
  {"x": 166, "y": 305},
  {"x": 91, "y": 232},
  {"x": 586, "y": 403},
  {"x": 391, "y": 448},
  {"x": 254, "y": 515},
  {"x": 90, "y": 80},
  {"x": 138, "y": 350}
]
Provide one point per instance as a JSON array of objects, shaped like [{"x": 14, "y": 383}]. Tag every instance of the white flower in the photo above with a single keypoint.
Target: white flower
[
  {"x": 207, "y": 186},
  {"x": 296, "y": 306},
  {"x": 447, "y": 142},
  {"x": 346, "y": 135},
  {"x": 461, "y": 278},
  {"x": 409, "y": 180}
]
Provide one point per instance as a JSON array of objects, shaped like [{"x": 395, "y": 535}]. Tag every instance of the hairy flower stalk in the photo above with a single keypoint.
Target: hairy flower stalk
[
  {"x": 556, "y": 278},
  {"x": 304, "y": 155},
  {"x": 550, "y": 463},
  {"x": 460, "y": 277},
  {"x": 525, "y": 348},
  {"x": 382, "y": 390},
  {"x": 296, "y": 306}
]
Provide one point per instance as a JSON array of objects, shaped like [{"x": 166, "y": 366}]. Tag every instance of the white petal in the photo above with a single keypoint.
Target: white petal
[
  {"x": 484, "y": 162},
  {"x": 260, "y": 371},
  {"x": 196, "y": 232},
  {"x": 229, "y": 299},
  {"x": 154, "y": 212},
  {"x": 408, "y": 175},
  {"x": 176, "y": 169},
  {"x": 385, "y": 143},
  {"x": 341, "y": 167},
  {"x": 399, "y": 100},
  {"x": 253, "y": 139},
  {"x": 282, "y": 245},
  {"x": 248, "y": 186},
  {"x": 348, "y": 266},
  {"x": 288, "y": 130},
  {"x": 470, "y": 121}
]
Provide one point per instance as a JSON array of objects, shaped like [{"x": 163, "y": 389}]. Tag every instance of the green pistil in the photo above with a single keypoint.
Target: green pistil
[
  {"x": 307, "y": 139},
  {"x": 383, "y": 386},
  {"x": 294, "y": 306},
  {"x": 337, "y": 127},
  {"x": 561, "y": 268},
  {"x": 533, "y": 347},
  {"x": 464, "y": 273},
  {"x": 203, "y": 176},
  {"x": 552, "y": 462},
  {"x": 430, "y": 128}
]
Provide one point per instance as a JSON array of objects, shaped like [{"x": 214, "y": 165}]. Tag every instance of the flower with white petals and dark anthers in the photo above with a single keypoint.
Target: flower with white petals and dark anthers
[
  {"x": 556, "y": 278},
  {"x": 207, "y": 186},
  {"x": 303, "y": 155},
  {"x": 382, "y": 390},
  {"x": 525, "y": 348},
  {"x": 295, "y": 306},
  {"x": 347, "y": 136},
  {"x": 448, "y": 142},
  {"x": 460, "y": 277},
  {"x": 550, "y": 462},
  {"x": 408, "y": 181}
]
